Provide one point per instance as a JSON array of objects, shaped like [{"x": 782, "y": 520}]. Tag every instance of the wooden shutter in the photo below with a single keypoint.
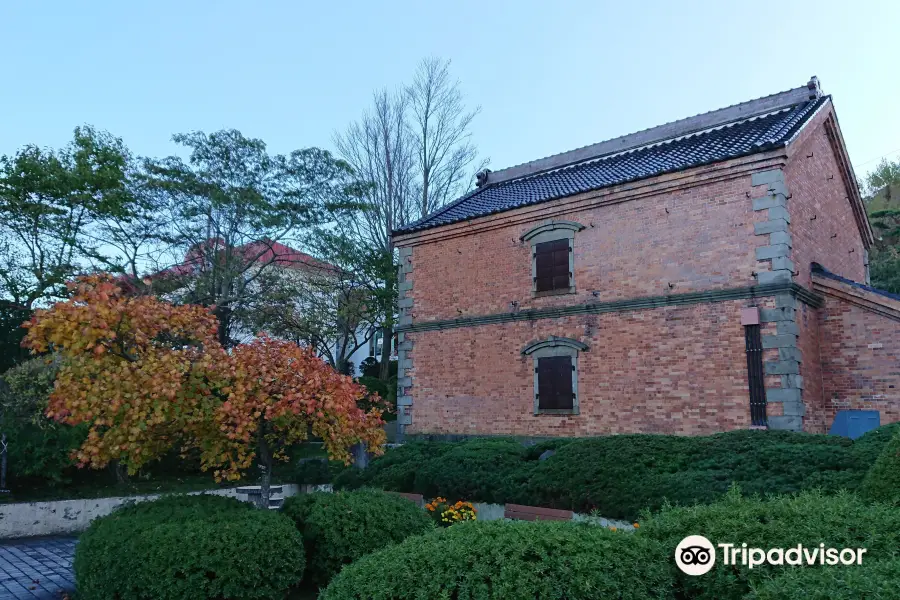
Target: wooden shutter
[
  {"x": 551, "y": 265},
  {"x": 555, "y": 382}
]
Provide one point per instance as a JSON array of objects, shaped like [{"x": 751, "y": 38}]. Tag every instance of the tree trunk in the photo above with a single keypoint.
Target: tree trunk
[
  {"x": 120, "y": 472},
  {"x": 387, "y": 338},
  {"x": 223, "y": 314},
  {"x": 265, "y": 465}
]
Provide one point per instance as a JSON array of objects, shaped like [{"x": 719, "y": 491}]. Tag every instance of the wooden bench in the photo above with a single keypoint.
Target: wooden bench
[
  {"x": 418, "y": 499},
  {"x": 521, "y": 512}
]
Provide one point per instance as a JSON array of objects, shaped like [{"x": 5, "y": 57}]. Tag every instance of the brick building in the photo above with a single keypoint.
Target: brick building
[{"x": 704, "y": 275}]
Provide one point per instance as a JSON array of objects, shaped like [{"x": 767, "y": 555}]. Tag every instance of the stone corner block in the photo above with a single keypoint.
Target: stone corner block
[
  {"x": 787, "y": 422},
  {"x": 770, "y": 226},
  {"x": 787, "y": 327},
  {"x": 783, "y": 263},
  {"x": 792, "y": 381},
  {"x": 779, "y": 212},
  {"x": 766, "y": 177},
  {"x": 783, "y": 395},
  {"x": 782, "y": 276},
  {"x": 772, "y": 251},
  {"x": 781, "y": 237},
  {"x": 778, "y": 341},
  {"x": 769, "y": 315},
  {"x": 782, "y": 367},
  {"x": 765, "y": 202}
]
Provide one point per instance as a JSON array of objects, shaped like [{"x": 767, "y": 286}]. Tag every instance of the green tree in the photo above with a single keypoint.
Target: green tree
[
  {"x": 229, "y": 207},
  {"x": 331, "y": 305},
  {"x": 49, "y": 201},
  {"x": 883, "y": 207},
  {"x": 883, "y": 178}
]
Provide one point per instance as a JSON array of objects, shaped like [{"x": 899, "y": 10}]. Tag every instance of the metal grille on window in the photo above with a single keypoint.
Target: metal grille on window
[
  {"x": 755, "y": 374},
  {"x": 555, "y": 383}
]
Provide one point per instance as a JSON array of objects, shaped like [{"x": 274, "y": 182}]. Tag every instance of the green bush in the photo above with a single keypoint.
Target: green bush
[
  {"x": 882, "y": 482},
  {"x": 510, "y": 561},
  {"x": 38, "y": 448},
  {"x": 186, "y": 547},
  {"x": 876, "y": 580},
  {"x": 339, "y": 528},
  {"x": 318, "y": 471},
  {"x": 868, "y": 448},
  {"x": 809, "y": 518},
  {"x": 622, "y": 474}
]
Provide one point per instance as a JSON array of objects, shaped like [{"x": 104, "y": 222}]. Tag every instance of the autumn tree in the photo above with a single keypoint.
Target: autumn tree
[{"x": 148, "y": 376}]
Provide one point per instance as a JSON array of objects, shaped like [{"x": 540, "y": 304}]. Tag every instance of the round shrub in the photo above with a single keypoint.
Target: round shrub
[
  {"x": 339, "y": 528},
  {"x": 809, "y": 518},
  {"x": 882, "y": 482},
  {"x": 510, "y": 561},
  {"x": 186, "y": 547},
  {"x": 868, "y": 448},
  {"x": 876, "y": 580}
]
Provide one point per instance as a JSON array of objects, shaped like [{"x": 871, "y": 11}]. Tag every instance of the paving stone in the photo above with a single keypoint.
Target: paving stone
[{"x": 44, "y": 564}]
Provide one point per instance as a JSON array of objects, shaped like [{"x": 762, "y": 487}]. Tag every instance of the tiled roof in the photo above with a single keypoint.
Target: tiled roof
[
  {"x": 731, "y": 140},
  {"x": 820, "y": 270},
  {"x": 263, "y": 252}
]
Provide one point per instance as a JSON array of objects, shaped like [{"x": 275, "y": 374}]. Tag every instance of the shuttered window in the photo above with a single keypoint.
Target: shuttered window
[
  {"x": 755, "y": 375},
  {"x": 555, "y": 383},
  {"x": 551, "y": 265}
]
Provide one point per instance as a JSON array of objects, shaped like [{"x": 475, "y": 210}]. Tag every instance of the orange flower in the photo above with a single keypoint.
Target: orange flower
[{"x": 636, "y": 525}]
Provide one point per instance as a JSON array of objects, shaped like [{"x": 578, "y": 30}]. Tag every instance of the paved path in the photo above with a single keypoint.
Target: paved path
[{"x": 36, "y": 568}]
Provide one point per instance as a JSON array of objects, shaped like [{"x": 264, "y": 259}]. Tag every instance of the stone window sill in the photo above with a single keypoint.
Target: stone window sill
[
  {"x": 559, "y": 292},
  {"x": 556, "y": 411}
]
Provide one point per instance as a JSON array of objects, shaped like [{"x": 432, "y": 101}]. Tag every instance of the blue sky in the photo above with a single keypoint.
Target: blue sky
[{"x": 549, "y": 77}]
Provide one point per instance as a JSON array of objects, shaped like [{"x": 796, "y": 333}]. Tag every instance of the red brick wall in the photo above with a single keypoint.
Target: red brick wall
[
  {"x": 860, "y": 352},
  {"x": 807, "y": 319},
  {"x": 817, "y": 190},
  {"x": 676, "y": 370},
  {"x": 628, "y": 249}
]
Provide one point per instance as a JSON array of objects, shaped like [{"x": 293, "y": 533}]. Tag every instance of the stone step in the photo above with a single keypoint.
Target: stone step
[{"x": 255, "y": 490}]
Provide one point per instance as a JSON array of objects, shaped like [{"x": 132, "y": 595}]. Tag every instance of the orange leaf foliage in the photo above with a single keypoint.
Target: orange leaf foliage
[{"x": 149, "y": 376}]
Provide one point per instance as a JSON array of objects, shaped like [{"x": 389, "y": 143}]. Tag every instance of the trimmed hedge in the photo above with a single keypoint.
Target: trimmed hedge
[
  {"x": 621, "y": 475},
  {"x": 186, "y": 547},
  {"x": 882, "y": 483},
  {"x": 809, "y": 518},
  {"x": 339, "y": 528},
  {"x": 510, "y": 561},
  {"x": 877, "y": 580}
]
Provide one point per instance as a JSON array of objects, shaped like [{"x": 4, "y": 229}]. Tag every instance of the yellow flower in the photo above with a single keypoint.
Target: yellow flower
[
  {"x": 636, "y": 525},
  {"x": 612, "y": 528}
]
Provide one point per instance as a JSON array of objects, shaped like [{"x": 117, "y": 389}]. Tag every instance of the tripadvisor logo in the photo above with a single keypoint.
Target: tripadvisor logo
[{"x": 696, "y": 555}]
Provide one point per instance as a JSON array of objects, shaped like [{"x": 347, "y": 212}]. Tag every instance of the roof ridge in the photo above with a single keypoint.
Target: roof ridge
[
  {"x": 778, "y": 126},
  {"x": 670, "y": 130}
]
